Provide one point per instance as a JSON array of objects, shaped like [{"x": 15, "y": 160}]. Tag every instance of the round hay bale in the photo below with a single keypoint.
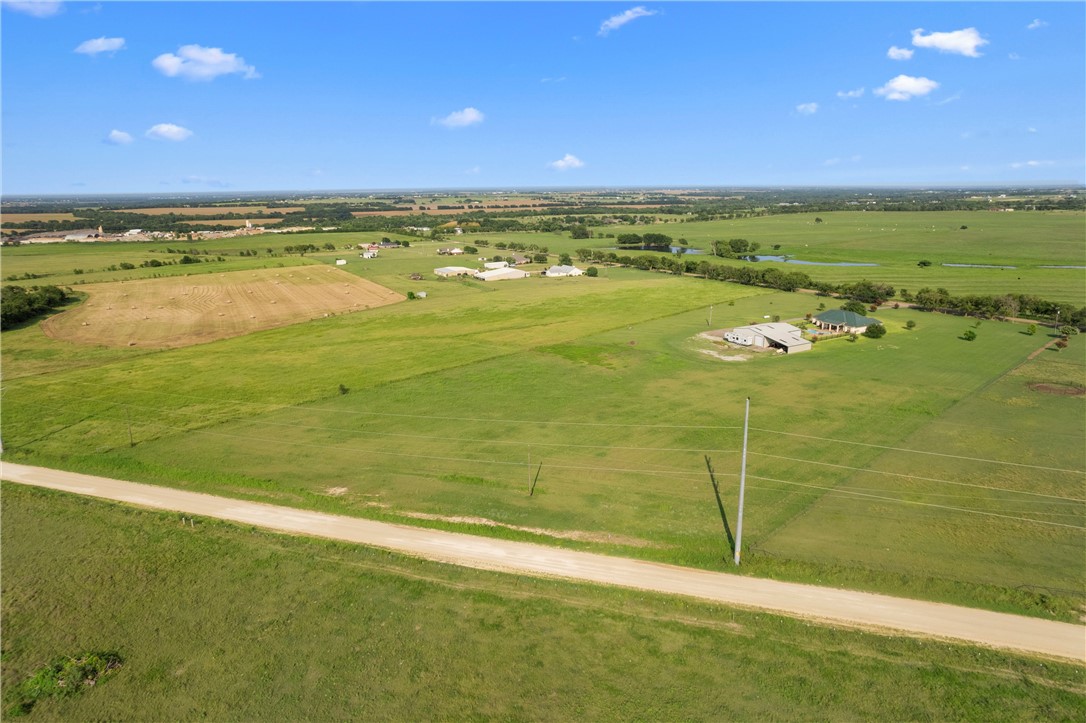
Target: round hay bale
[
  {"x": 131, "y": 343},
  {"x": 84, "y": 324}
]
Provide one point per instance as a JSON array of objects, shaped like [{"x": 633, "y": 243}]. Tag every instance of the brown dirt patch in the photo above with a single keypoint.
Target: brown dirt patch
[
  {"x": 1063, "y": 390},
  {"x": 185, "y": 310},
  {"x": 560, "y": 534}
]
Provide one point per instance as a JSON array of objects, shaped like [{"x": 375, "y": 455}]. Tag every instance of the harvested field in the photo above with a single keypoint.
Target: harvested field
[
  {"x": 43, "y": 217},
  {"x": 177, "y": 312},
  {"x": 212, "y": 210}
]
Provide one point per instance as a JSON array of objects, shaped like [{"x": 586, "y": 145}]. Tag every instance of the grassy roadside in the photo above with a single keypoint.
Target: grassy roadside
[{"x": 224, "y": 622}]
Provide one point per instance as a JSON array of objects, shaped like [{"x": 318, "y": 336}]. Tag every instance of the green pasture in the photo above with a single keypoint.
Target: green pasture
[
  {"x": 215, "y": 621},
  {"x": 895, "y": 241},
  {"x": 453, "y": 402}
]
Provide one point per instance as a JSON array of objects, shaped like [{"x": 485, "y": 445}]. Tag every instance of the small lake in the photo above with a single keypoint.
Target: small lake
[
  {"x": 978, "y": 266},
  {"x": 685, "y": 250},
  {"x": 789, "y": 260}
]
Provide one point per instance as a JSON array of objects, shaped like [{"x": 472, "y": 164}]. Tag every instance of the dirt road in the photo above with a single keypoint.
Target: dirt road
[{"x": 840, "y": 607}]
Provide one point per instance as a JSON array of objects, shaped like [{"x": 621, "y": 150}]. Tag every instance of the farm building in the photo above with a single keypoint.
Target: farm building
[
  {"x": 563, "y": 271},
  {"x": 368, "y": 255},
  {"x": 841, "y": 321},
  {"x": 502, "y": 274},
  {"x": 495, "y": 265},
  {"x": 450, "y": 252},
  {"x": 775, "y": 335},
  {"x": 518, "y": 259},
  {"x": 447, "y": 271}
]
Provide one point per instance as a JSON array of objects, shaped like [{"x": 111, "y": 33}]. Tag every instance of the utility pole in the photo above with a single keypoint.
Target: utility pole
[{"x": 742, "y": 487}]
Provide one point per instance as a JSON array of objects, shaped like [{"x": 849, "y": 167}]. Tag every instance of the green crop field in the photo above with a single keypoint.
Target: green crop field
[
  {"x": 875, "y": 464},
  {"x": 214, "y": 621}
]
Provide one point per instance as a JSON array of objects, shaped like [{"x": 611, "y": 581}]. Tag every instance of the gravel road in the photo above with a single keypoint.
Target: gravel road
[{"x": 829, "y": 605}]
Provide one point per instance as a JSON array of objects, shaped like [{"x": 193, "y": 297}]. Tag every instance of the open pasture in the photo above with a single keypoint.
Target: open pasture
[
  {"x": 180, "y": 311},
  {"x": 604, "y": 383},
  {"x": 219, "y": 622},
  {"x": 895, "y": 241}
]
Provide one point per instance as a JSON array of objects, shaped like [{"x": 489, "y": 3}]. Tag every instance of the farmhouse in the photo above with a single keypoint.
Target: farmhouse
[
  {"x": 502, "y": 274},
  {"x": 770, "y": 336},
  {"x": 450, "y": 252},
  {"x": 563, "y": 271},
  {"x": 841, "y": 321},
  {"x": 447, "y": 271}
]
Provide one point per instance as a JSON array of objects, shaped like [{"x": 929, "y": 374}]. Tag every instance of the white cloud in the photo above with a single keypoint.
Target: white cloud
[
  {"x": 846, "y": 94},
  {"x": 905, "y": 87},
  {"x": 807, "y": 108},
  {"x": 205, "y": 181},
  {"x": 963, "y": 42},
  {"x": 553, "y": 80},
  {"x": 1037, "y": 23},
  {"x": 1014, "y": 56},
  {"x": 566, "y": 162},
  {"x": 118, "y": 138},
  {"x": 1031, "y": 129},
  {"x": 617, "y": 21},
  {"x": 951, "y": 99},
  {"x": 168, "y": 132},
  {"x": 100, "y": 45},
  {"x": 1031, "y": 164},
  {"x": 195, "y": 62},
  {"x": 461, "y": 118},
  {"x": 896, "y": 53},
  {"x": 37, "y": 8},
  {"x": 473, "y": 171}
]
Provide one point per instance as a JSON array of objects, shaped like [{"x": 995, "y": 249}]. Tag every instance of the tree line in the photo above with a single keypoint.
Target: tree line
[{"x": 18, "y": 304}]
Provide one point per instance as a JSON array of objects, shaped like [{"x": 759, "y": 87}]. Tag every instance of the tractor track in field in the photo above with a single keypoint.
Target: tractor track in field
[{"x": 869, "y": 611}]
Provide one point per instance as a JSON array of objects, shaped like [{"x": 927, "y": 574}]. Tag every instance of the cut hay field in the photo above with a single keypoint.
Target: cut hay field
[
  {"x": 219, "y": 622},
  {"x": 180, "y": 311},
  {"x": 213, "y": 210},
  {"x": 23, "y": 217}
]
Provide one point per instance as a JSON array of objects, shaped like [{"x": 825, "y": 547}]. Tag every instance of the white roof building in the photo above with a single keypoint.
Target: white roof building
[
  {"x": 496, "y": 264},
  {"x": 563, "y": 271},
  {"x": 776, "y": 335},
  {"x": 502, "y": 274},
  {"x": 447, "y": 271}
]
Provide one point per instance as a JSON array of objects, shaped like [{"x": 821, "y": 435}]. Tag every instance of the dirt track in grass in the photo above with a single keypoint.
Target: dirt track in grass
[{"x": 881, "y": 613}]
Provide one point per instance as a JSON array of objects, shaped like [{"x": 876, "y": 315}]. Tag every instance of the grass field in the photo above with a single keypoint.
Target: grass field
[
  {"x": 454, "y": 401},
  {"x": 220, "y": 622}
]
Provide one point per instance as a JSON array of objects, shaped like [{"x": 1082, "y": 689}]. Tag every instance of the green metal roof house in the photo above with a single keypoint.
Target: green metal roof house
[{"x": 839, "y": 320}]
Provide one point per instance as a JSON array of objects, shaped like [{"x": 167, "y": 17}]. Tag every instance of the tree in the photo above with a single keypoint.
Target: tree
[
  {"x": 875, "y": 331},
  {"x": 1031, "y": 329},
  {"x": 969, "y": 335},
  {"x": 580, "y": 231},
  {"x": 539, "y": 258},
  {"x": 1068, "y": 331},
  {"x": 910, "y": 324},
  {"x": 592, "y": 271},
  {"x": 329, "y": 246},
  {"x": 855, "y": 307},
  {"x": 470, "y": 250},
  {"x": 818, "y": 219},
  {"x": 565, "y": 260}
]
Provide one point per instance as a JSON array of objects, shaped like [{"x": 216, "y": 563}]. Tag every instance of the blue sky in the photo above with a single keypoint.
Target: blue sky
[{"x": 160, "y": 97}]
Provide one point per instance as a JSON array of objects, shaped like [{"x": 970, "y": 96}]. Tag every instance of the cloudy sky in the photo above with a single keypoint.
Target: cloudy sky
[{"x": 175, "y": 96}]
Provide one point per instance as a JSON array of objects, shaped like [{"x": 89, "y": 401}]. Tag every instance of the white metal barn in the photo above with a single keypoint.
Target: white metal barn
[
  {"x": 776, "y": 335},
  {"x": 447, "y": 271},
  {"x": 504, "y": 274}
]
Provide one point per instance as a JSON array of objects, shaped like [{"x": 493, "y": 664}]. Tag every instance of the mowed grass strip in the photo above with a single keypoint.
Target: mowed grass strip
[
  {"x": 222, "y": 622},
  {"x": 180, "y": 311}
]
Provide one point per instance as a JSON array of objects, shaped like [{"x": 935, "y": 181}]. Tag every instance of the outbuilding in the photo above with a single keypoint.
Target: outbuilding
[
  {"x": 448, "y": 271},
  {"x": 502, "y": 274},
  {"x": 495, "y": 264},
  {"x": 775, "y": 335}
]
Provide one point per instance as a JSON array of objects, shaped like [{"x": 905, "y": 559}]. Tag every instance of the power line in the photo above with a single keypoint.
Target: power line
[
  {"x": 919, "y": 451},
  {"x": 923, "y": 479},
  {"x": 921, "y": 504}
]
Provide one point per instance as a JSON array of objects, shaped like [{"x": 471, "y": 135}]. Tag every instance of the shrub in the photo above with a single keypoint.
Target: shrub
[
  {"x": 910, "y": 324},
  {"x": 592, "y": 271},
  {"x": 875, "y": 331},
  {"x": 969, "y": 335},
  {"x": 923, "y": 263}
]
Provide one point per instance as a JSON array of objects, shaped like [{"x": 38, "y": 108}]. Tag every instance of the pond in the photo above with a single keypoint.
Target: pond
[
  {"x": 979, "y": 266},
  {"x": 685, "y": 250},
  {"x": 789, "y": 260}
]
